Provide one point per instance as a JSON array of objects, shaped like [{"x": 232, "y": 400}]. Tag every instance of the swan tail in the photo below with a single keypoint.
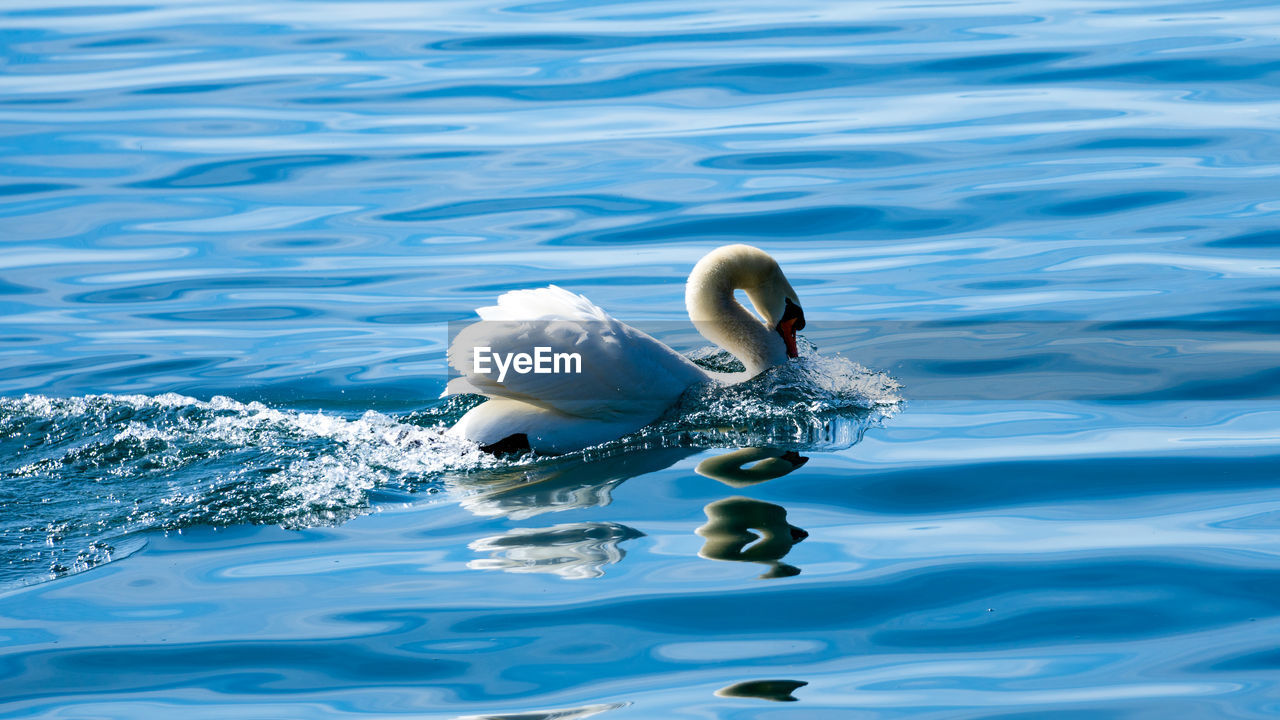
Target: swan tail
[{"x": 548, "y": 303}]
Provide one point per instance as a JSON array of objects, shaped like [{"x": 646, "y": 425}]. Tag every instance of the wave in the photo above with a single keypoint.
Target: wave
[
  {"x": 105, "y": 468},
  {"x": 815, "y": 402}
]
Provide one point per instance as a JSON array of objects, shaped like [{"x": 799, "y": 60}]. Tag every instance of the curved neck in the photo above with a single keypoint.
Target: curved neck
[
  {"x": 720, "y": 318},
  {"x": 749, "y": 466}
]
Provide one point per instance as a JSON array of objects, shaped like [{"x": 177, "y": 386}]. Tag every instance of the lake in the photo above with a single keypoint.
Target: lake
[{"x": 1024, "y": 468}]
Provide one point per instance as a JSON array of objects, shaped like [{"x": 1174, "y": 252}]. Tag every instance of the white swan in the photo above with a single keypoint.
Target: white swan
[{"x": 627, "y": 379}]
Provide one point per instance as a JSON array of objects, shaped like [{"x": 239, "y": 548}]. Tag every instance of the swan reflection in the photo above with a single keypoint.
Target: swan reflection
[
  {"x": 729, "y": 534},
  {"x": 573, "y": 551},
  {"x": 577, "y": 713},
  {"x": 738, "y": 529},
  {"x": 567, "y": 483},
  {"x": 775, "y": 690},
  {"x": 769, "y": 464}
]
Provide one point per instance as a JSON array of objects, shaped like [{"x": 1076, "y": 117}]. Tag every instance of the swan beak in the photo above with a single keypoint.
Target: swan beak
[{"x": 792, "y": 320}]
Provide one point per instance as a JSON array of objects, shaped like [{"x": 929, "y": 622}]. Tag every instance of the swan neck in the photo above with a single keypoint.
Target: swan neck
[{"x": 720, "y": 318}]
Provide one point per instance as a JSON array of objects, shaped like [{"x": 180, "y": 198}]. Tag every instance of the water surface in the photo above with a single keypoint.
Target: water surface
[{"x": 235, "y": 235}]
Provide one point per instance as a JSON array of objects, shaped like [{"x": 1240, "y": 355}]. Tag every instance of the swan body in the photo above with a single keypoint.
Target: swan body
[{"x": 626, "y": 379}]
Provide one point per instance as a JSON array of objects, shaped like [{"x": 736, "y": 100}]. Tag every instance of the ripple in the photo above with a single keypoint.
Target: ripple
[
  {"x": 600, "y": 42},
  {"x": 1186, "y": 70},
  {"x": 241, "y": 172},
  {"x": 1113, "y": 203},
  {"x": 176, "y": 289},
  {"x": 260, "y": 313},
  {"x": 1128, "y": 143},
  {"x": 791, "y": 160},
  {"x": 585, "y": 204},
  {"x": 806, "y": 222},
  {"x": 189, "y": 89},
  {"x": 1261, "y": 239}
]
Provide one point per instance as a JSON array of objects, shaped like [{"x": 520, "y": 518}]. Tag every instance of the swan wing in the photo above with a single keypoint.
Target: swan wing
[{"x": 621, "y": 372}]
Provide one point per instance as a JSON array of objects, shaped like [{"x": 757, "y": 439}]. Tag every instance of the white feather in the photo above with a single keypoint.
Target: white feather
[{"x": 627, "y": 380}]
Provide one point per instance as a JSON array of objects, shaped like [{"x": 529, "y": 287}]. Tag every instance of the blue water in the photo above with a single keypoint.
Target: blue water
[{"x": 1038, "y": 249}]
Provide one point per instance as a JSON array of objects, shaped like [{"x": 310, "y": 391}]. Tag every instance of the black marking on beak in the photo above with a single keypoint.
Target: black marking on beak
[
  {"x": 794, "y": 312},
  {"x": 792, "y": 320}
]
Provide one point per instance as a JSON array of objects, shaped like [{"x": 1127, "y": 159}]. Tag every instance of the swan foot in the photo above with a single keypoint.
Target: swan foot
[{"x": 515, "y": 443}]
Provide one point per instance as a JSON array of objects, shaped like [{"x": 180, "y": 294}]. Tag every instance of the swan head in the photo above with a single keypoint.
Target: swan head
[{"x": 754, "y": 271}]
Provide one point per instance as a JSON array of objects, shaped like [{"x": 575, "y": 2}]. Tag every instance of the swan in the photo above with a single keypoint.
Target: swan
[{"x": 624, "y": 379}]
